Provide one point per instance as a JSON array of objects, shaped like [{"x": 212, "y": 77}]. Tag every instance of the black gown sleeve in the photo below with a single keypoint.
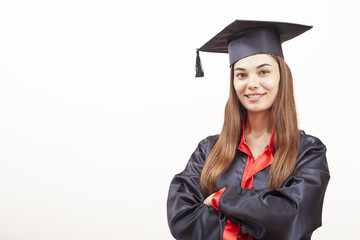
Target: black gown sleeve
[
  {"x": 292, "y": 212},
  {"x": 188, "y": 217}
]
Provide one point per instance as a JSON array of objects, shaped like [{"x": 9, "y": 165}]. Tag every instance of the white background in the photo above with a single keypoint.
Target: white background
[{"x": 99, "y": 108}]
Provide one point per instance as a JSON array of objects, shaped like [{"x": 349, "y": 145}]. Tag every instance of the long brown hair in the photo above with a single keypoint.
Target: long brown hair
[{"x": 286, "y": 135}]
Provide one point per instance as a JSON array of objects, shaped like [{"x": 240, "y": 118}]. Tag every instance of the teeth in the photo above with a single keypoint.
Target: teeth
[{"x": 254, "y": 96}]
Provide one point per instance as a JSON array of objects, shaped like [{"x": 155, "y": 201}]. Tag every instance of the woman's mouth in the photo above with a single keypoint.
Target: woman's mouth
[{"x": 255, "y": 96}]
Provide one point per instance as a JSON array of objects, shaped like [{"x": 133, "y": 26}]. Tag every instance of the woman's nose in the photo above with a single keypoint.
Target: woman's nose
[{"x": 253, "y": 81}]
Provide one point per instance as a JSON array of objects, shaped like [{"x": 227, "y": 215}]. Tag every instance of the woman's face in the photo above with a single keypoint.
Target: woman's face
[{"x": 256, "y": 82}]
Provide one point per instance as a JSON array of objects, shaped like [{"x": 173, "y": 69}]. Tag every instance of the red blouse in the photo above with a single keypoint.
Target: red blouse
[{"x": 265, "y": 159}]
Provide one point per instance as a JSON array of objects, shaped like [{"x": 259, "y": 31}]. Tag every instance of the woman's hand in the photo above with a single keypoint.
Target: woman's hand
[{"x": 207, "y": 201}]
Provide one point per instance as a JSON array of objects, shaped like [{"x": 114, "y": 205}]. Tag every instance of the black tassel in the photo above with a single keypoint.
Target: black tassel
[{"x": 198, "y": 66}]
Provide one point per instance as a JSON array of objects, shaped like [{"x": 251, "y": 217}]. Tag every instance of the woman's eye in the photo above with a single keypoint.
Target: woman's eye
[
  {"x": 241, "y": 75},
  {"x": 263, "y": 72}
]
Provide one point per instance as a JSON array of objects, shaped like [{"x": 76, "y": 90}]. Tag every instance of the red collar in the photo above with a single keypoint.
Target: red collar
[{"x": 252, "y": 167}]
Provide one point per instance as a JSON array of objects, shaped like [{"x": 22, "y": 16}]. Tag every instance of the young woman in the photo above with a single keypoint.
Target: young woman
[{"x": 262, "y": 177}]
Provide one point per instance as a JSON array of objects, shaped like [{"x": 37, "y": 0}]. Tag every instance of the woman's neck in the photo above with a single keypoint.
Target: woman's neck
[
  {"x": 258, "y": 123},
  {"x": 258, "y": 132}
]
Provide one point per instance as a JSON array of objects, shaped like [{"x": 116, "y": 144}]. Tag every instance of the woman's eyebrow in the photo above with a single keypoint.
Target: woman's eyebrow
[
  {"x": 260, "y": 66},
  {"x": 240, "y": 69},
  {"x": 263, "y": 65}
]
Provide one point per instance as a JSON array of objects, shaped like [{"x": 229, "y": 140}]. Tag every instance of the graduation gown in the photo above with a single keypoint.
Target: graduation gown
[{"x": 292, "y": 212}]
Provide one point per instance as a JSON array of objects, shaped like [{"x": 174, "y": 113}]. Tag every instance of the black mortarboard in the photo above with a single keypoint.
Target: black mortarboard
[{"x": 244, "y": 38}]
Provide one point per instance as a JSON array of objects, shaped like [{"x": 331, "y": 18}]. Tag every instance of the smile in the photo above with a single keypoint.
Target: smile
[{"x": 254, "y": 96}]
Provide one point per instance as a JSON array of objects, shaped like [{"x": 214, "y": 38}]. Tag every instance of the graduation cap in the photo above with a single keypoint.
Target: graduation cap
[{"x": 244, "y": 38}]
